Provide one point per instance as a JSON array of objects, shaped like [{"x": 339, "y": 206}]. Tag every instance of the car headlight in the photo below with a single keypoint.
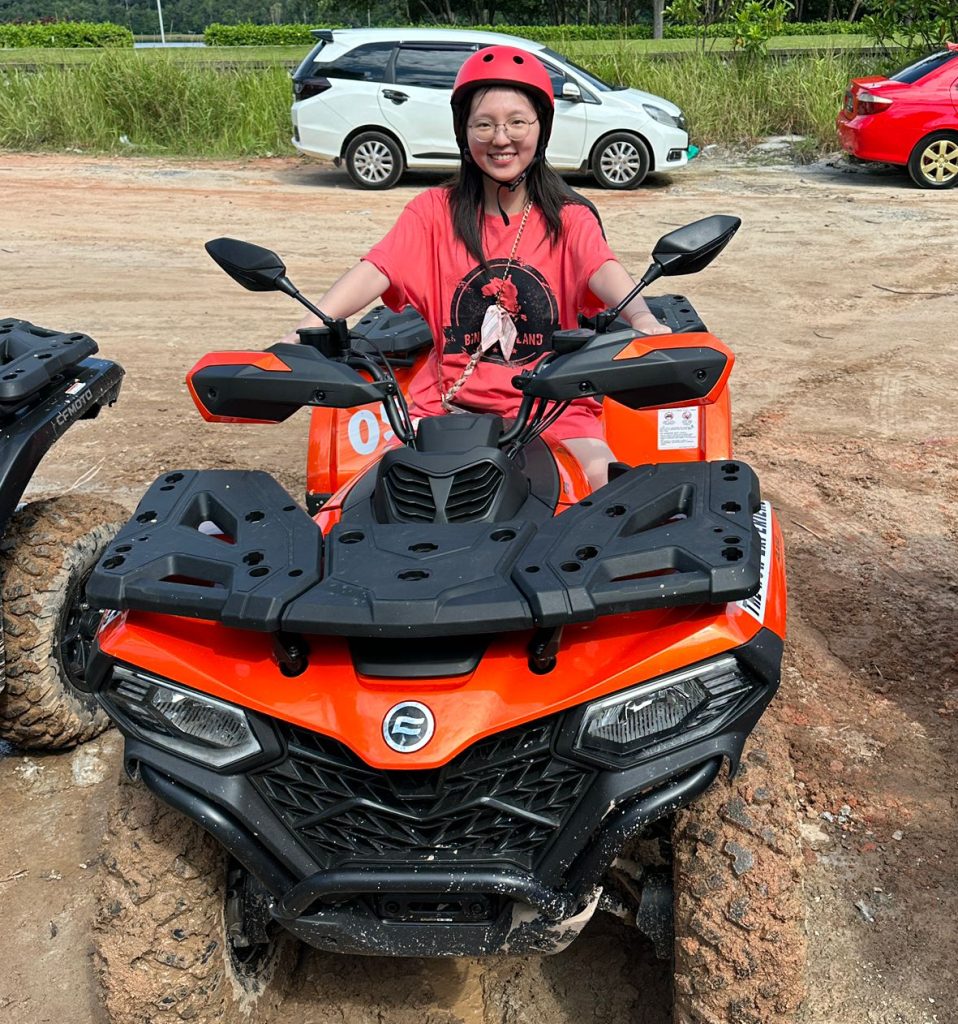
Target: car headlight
[
  {"x": 664, "y": 117},
  {"x": 181, "y": 720},
  {"x": 671, "y": 706}
]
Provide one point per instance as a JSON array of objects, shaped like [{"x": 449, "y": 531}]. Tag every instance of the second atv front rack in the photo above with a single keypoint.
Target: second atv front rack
[{"x": 234, "y": 547}]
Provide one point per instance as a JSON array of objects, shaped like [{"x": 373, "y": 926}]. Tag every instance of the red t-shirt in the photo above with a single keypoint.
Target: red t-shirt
[{"x": 547, "y": 286}]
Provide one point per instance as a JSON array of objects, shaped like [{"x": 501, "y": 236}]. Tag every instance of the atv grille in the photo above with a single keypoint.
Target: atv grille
[
  {"x": 473, "y": 491},
  {"x": 505, "y": 798},
  {"x": 471, "y": 495},
  {"x": 410, "y": 494}
]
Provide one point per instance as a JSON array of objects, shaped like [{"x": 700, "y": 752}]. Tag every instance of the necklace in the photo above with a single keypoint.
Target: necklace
[{"x": 497, "y": 326}]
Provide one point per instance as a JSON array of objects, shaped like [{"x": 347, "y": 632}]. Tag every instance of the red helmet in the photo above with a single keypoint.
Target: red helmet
[{"x": 510, "y": 68}]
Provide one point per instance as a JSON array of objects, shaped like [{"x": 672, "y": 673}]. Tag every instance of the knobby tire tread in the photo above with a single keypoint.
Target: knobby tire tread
[
  {"x": 160, "y": 949},
  {"x": 46, "y": 544},
  {"x": 740, "y": 940}
]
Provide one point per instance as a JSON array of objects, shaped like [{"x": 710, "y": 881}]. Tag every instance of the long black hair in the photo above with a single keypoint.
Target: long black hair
[{"x": 467, "y": 192}]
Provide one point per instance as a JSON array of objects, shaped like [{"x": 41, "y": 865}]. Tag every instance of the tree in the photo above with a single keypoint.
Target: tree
[{"x": 919, "y": 25}]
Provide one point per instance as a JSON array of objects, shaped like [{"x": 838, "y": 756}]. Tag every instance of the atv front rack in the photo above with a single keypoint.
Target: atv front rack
[
  {"x": 47, "y": 382},
  {"x": 234, "y": 547}
]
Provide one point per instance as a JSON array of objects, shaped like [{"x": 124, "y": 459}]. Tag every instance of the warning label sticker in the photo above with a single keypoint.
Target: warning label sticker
[{"x": 678, "y": 428}]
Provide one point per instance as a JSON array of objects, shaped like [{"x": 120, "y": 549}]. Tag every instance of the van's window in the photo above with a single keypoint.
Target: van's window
[
  {"x": 596, "y": 83},
  {"x": 306, "y": 67},
  {"x": 363, "y": 64},
  {"x": 430, "y": 69},
  {"x": 558, "y": 78},
  {"x": 918, "y": 70}
]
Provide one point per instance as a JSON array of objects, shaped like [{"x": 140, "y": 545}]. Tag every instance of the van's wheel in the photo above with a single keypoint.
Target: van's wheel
[
  {"x": 934, "y": 161},
  {"x": 374, "y": 160},
  {"x": 46, "y": 556},
  {"x": 172, "y": 936},
  {"x": 620, "y": 161},
  {"x": 740, "y": 942}
]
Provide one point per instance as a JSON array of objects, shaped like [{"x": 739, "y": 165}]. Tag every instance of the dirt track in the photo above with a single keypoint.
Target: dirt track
[{"x": 839, "y": 297}]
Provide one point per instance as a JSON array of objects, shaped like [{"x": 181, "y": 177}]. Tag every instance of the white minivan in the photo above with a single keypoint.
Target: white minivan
[{"x": 378, "y": 101}]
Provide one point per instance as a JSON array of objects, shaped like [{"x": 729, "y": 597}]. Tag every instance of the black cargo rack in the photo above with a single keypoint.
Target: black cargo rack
[
  {"x": 47, "y": 382},
  {"x": 233, "y": 546},
  {"x": 32, "y": 357}
]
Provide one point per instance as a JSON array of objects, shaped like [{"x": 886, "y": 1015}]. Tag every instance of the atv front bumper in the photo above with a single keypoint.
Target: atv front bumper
[{"x": 512, "y": 861}]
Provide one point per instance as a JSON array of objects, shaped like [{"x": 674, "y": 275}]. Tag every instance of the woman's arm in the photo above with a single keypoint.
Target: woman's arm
[
  {"x": 355, "y": 290},
  {"x": 611, "y": 283}
]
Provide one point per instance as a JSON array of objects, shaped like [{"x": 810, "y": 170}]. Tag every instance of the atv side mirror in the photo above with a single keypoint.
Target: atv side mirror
[
  {"x": 255, "y": 268},
  {"x": 683, "y": 251},
  {"x": 690, "y": 249}
]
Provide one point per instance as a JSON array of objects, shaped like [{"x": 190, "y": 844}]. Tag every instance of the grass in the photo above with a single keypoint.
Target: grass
[
  {"x": 735, "y": 103},
  {"x": 41, "y": 56},
  {"x": 158, "y": 102},
  {"x": 293, "y": 54},
  {"x": 120, "y": 103}
]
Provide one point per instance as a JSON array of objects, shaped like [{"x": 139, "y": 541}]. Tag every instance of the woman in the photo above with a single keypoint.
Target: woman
[{"x": 498, "y": 260}]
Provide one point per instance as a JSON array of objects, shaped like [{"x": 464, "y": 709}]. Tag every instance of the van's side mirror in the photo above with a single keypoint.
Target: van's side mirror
[{"x": 571, "y": 92}]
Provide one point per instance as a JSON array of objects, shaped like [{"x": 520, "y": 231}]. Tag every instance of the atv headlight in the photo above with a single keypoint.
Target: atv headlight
[
  {"x": 181, "y": 720},
  {"x": 664, "y": 117},
  {"x": 649, "y": 714}
]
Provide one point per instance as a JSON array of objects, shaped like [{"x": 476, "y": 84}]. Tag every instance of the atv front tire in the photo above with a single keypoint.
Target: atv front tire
[
  {"x": 162, "y": 947},
  {"x": 46, "y": 556},
  {"x": 740, "y": 942}
]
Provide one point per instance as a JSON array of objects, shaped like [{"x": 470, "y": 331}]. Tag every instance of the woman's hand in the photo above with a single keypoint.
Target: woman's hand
[
  {"x": 646, "y": 323},
  {"x": 611, "y": 283},
  {"x": 293, "y": 337}
]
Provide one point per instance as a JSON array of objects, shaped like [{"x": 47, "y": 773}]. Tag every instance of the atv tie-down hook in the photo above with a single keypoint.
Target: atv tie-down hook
[
  {"x": 543, "y": 650},
  {"x": 291, "y": 653}
]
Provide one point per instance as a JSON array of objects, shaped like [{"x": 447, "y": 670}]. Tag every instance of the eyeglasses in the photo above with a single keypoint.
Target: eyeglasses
[{"x": 516, "y": 129}]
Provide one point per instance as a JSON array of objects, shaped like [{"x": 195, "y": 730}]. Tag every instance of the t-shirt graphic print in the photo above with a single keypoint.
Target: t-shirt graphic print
[{"x": 524, "y": 294}]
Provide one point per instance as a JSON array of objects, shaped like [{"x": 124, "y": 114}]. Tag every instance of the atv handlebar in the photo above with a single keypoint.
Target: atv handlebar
[{"x": 325, "y": 370}]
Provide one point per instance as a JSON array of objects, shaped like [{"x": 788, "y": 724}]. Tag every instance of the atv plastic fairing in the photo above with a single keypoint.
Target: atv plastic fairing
[{"x": 47, "y": 381}]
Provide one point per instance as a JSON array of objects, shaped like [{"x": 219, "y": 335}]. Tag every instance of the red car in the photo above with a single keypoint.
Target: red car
[{"x": 910, "y": 118}]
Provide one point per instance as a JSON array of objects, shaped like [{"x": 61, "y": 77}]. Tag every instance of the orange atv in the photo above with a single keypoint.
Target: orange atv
[{"x": 432, "y": 717}]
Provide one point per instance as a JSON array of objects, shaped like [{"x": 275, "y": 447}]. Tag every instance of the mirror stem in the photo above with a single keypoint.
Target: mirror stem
[
  {"x": 337, "y": 325},
  {"x": 604, "y": 319}
]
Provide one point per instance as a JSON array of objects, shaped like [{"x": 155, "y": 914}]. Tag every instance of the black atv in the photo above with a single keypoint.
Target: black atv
[{"x": 48, "y": 381}]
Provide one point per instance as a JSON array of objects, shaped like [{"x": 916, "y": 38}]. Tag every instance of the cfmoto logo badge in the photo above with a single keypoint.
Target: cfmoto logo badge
[{"x": 408, "y": 727}]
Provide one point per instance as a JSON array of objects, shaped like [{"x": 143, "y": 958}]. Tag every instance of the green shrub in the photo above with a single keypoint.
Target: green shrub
[
  {"x": 65, "y": 34},
  {"x": 248, "y": 34},
  {"x": 570, "y": 33},
  {"x": 728, "y": 29}
]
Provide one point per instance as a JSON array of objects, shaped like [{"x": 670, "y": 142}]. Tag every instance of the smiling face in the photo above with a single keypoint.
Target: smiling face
[{"x": 503, "y": 159}]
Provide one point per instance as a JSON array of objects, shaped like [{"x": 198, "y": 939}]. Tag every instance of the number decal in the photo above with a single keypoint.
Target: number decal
[{"x": 364, "y": 431}]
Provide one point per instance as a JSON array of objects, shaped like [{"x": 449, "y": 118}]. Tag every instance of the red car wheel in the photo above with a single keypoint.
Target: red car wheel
[{"x": 934, "y": 161}]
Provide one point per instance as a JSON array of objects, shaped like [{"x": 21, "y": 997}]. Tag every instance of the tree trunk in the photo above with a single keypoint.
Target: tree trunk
[{"x": 658, "y": 12}]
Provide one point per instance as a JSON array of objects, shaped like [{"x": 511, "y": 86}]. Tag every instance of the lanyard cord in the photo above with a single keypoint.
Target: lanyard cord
[{"x": 446, "y": 397}]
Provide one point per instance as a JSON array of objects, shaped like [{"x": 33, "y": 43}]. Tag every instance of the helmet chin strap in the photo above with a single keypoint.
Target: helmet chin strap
[{"x": 512, "y": 186}]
